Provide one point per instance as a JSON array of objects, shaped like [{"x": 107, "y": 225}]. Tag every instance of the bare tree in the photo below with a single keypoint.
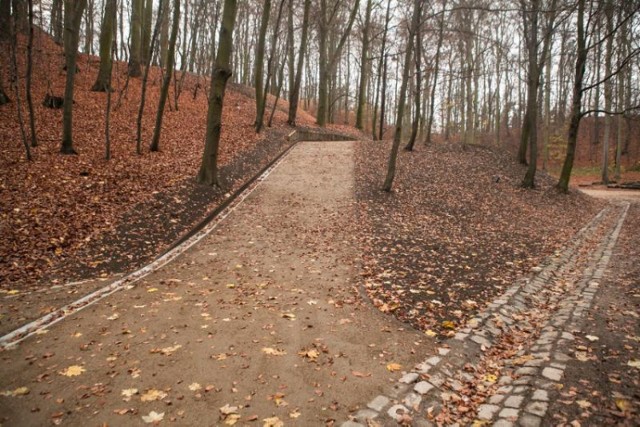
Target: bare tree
[
  {"x": 208, "y": 173},
  {"x": 72, "y": 18}
]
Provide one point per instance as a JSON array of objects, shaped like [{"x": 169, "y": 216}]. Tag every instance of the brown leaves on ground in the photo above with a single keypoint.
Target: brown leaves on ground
[
  {"x": 456, "y": 230},
  {"x": 55, "y": 205}
]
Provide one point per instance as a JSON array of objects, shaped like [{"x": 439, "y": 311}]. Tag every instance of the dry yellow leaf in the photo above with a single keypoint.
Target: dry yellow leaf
[
  {"x": 272, "y": 422},
  {"x": 430, "y": 333},
  {"x": 231, "y": 419},
  {"x": 152, "y": 290},
  {"x": 72, "y": 371},
  {"x": 152, "y": 395},
  {"x": 393, "y": 367},
  {"x": 448, "y": 324},
  {"x": 490, "y": 378},
  {"x": 623, "y": 404},
  {"x": 273, "y": 351}
]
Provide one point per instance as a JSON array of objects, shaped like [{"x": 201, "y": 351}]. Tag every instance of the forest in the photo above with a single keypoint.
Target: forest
[{"x": 319, "y": 212}]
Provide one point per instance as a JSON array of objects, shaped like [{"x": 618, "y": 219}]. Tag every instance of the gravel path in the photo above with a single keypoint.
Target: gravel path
[{"x": 262, "y": 319}]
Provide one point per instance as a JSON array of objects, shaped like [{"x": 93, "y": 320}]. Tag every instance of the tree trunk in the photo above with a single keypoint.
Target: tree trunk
[
  {"x": 164, "y": 36},
  {"x": 32, "y": 116},
  {"x": 145, "y": 28},
  {"x": 5, "y": 19},
  {"x": 260, "y": 48},
  {"x": 364, "y": 67},
  {"x": 418, "y": 88},
  {"x": 607, "y": 92},
  {"x": 208, "y": 173},
  {"x": 436, "y": 69},
  {"x": 143, "y": 95},
  {"x": 270, "y": 73},
  {"x": 381, "y": 62},
  {"x": 530, "y": 19},
  {"x": 135, "y": 54},
  {"x": 576, "y": 105},
  {"x": 164, "y": 91},
  {"x": 295, "y": 94},
  {"x": 72, "y": 18},
  {"x": 329, "y": 61},
  {"x": 106, "y": 40},
  {"x": 391, "y": 168}
]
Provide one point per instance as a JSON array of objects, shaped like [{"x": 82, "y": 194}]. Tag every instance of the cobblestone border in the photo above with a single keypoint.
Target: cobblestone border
[{"x": 524, "y": 391}]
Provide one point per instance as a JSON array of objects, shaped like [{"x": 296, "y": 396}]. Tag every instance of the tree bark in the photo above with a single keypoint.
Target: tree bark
[
  {"x": 328, "y": 61},
  {"x": 576, "y": 105},
  {"x": 32, "y": 116},
  {"x": 295, "y": 94},
  {"x": 260, "y": 48},
  {"x": 72, "y": 18},
  {"x": 208, "y": 173},
  {"x": 436, "y": 70},
  {"x": 164, "y": 91},
  {"x": 135, "y": 54},
  {"x": 364, "y": 68},
  {"x": 391, "y": 168},
  {"x": 102, "y": 83}
]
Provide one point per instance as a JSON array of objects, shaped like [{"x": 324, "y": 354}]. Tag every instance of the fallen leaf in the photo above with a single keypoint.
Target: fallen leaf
[
  {"x": 128, "y": 393},
  {"x": 634, "y": 363},
  {"x": 623, "y": 404},
  {"x": 273, "y": 351},
  {"x": 20, "y": 391},
  {"x": 272, "y": 422},
  {"x": 592, "y": 338},
  {"x": 312, "y": 354},
  {"x": 73, "y": 371},
  {"x": 584, "y": 404},
  {"x": 360, "y": 374},
  {"x": 393, "y": 367},
  {"x": 195, "y": 387},
  {"x": 430, "y": 333},
  {"x": 153, "y": 394},
  {"x": 227, "y": 410},
  {"x": 153, "y": 417}
]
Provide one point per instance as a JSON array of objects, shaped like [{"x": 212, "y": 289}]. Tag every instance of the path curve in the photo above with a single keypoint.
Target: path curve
[{"x": 262, "y": 317}]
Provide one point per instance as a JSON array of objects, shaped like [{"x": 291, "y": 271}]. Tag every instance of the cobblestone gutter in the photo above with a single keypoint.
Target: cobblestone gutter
[{"x": 527, "y": 382}]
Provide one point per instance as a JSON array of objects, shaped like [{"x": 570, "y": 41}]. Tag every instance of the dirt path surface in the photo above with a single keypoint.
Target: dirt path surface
[
  {"x": 612, "y": 194},
  {"x": 261, "y": 319}
]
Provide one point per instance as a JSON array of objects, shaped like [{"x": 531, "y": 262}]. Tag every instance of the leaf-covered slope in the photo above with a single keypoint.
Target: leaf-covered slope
[{"x": 456, "y": 231}]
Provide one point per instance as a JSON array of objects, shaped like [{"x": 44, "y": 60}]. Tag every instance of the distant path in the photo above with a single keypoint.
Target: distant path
[
  {"x": 612, "y": 194},
  {"x": 263, "y": 315}
]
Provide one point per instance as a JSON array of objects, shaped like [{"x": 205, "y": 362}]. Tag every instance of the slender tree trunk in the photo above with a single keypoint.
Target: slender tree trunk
[
  {"x": 13, "y": 24},
  {"x": 436, "y": 69},
  {"x": 391, "y": 168},
  {"x": 260, "y": 51},
  {"x": 418, "y": 88},
  {"x": 533, "y": 79},
  {"x": 295, "y": 94},
  {"x": 265, "y": 91},
  {"x": 364, "y": 67},
  {"x": 607, "y": 92},
  {"x": 576, "y": 105},
  {"x": 145, "y": 28},
  {"x": 72, "y": 18},
  {"x": 208, "y": 173},
  {"x": 32, "y": 116},
  {"x": 374, "y": 129},
  {"x": 106, "y": 39},
  {"x": 328, "y": 62},
  {"x": 135, "y": 53},
  {"x": 164, "y": 91},
  {"x": 143, "y": 96}
]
